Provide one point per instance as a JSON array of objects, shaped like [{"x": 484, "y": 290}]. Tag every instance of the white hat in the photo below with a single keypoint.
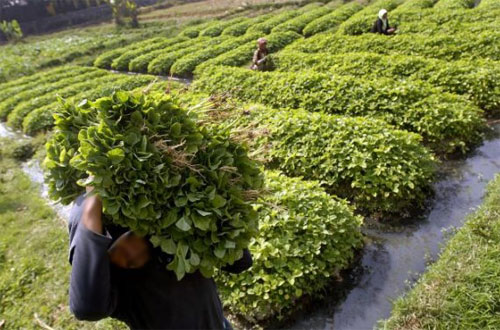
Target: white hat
[{"x": 381, "y": 13}]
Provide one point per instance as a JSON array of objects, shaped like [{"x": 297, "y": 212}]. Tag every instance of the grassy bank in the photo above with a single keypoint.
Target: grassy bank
[
  {"x": 462, "y": 289},
  {"x": 34, "y": 270}
]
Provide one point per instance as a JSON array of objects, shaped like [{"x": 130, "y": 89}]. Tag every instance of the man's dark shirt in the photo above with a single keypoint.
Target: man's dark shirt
[
  {"x": 378, "y": 27},
  {"x": 148, "y": 298}
]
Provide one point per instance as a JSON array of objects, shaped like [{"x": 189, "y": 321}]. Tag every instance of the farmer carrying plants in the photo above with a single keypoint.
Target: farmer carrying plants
[
  {"x": 162, "y": 201},
  {"x": 119, "y": 274},
  {"x": 382, "y": 24},
  {"x": 260, "y": 55}
]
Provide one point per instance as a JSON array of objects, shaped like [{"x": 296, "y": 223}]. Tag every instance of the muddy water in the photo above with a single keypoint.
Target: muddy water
[{"x": 393, "y": 260}]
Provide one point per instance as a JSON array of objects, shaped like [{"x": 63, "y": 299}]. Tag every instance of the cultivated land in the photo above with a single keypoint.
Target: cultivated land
[{"x": 348, "y": 126}]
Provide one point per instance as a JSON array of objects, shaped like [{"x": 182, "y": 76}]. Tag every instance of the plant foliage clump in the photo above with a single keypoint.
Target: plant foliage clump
[
  {"x": 159, "y": 173},
  {"x": 305, "y": 238}
]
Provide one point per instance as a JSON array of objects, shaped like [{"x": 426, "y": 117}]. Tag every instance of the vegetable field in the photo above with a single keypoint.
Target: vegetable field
[{"x": 346, "y": 126}]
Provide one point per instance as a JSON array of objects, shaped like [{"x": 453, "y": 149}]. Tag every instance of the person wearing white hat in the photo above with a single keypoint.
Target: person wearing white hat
[{"x": 382, "y": 24}]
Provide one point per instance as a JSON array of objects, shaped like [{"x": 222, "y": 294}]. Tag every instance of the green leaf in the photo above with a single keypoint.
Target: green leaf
[
  {"x": 183, "y": 224},
  {"x": 168, "y": 246},
  {"x": 218, "y": 201},
  {"x": 220, "y": 252},
  {"x": 116, "y": 155}
]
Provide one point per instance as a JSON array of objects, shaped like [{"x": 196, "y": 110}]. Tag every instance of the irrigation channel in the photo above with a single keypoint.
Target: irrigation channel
[{"x": 391, "y": 260}]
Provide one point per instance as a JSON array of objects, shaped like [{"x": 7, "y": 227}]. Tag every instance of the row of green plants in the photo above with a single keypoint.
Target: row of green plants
[
  {"x": 30, "y": 103},
  {"x": 451, "y": 27},
  {"x": 404, "y": 15},
  {"x": 77, "y": 47},
  {"x": 194, "y": 31},
  {"x": 478, "y": 80},
  {"x": 241, "y": 28},
  {"x": 454, "y": 4},
  {"x": 419, "y": 16},
  {"x": 25, "y": 83},
  {"x": 306, "y": 237},
  {"x": 410, "y": 5},
  {"x": 266, "y": 26},
  {"x": 162, "y": 64},
  {"x": 42, "y": 89},
  {"x": 489, "y": 4},
  {"x": 333, "y": 20},
  {"x": 363, "y": 20},
  {"x": 216, "y": 30},
  {"x": 41, "y": 119},
  {"x": 70, "y": 88},
  {"x": 141, "y": 63},
  {"x": 298, "y": 23},
  {"x": 449, "y": 123},
  {"x": 105, "y": 59},
  {"x": 185, "y": 66},
  {"x": 365, "y": 160},
  {"x": 243, "y": 54},
  {"x": 122, "y": 62},
  {"x": 464, "y": 45}
]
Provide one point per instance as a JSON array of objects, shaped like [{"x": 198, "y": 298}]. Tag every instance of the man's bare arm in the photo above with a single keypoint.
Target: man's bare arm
[{"x": 92, "y": 214}]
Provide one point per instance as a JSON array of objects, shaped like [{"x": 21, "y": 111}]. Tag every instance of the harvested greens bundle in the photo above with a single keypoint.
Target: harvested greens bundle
[{"x": 159, "y": 173}]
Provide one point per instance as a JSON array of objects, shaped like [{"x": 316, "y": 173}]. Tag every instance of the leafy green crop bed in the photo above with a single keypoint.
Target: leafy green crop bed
[
  {"x": 478, "y": 80},
  {"x": 463, "y": 45},
  {"x": 448, "y": 122},
  {"x": 306, "y": 237},
  {"x": 367, "y": 161},
  {"x": 74, "y": 46},
  {"x": 32, "y": 101}
]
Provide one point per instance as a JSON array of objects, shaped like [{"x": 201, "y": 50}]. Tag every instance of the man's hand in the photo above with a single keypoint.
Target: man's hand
[{"x": 92, "y": 213}]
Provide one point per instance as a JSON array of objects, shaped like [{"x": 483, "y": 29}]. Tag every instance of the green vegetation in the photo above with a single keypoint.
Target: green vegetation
[
  {"x": 454, "y": 4},
  {"x": 366, "y": 161},
  {"x": 218, "y": 27},
  {"x": 185, "y": 66},
  {"x": 332, "y": 20},
  {"x": 239, "y": 29},
  {"x": 31, "y": 103},
  {"x": 160, "y": 174},
  {"x": 460, "y": 291},
  {"x": 362, "y": 21},
  {"x": 298, "y": 23},
  {"x": 11, "y": 30},
  {"x": 41, "y": 118},
  {"x": 463, "y": 45},
  {"x": 163, "y": 62},
  {"x": 81, "y": 45},
  {"x": 34, "y": 268},
  {"x": 344, "y": 115},
  {"x": 479, "y": 81},
  {"x": 449, "y": 123},
  {"x": 243, "y": 54},
  {"x": 306, "y": 237}
]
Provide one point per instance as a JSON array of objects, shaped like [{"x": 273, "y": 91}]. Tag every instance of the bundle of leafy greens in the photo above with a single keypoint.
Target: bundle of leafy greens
[{"x": 160, "y": 173}]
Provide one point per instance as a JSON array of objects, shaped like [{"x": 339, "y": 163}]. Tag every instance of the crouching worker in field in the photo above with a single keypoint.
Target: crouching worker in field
[
  {"x": 119, "y": 274},
  {"x": 382, "y": 24},
  {"x": 260, "y": 55}
]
